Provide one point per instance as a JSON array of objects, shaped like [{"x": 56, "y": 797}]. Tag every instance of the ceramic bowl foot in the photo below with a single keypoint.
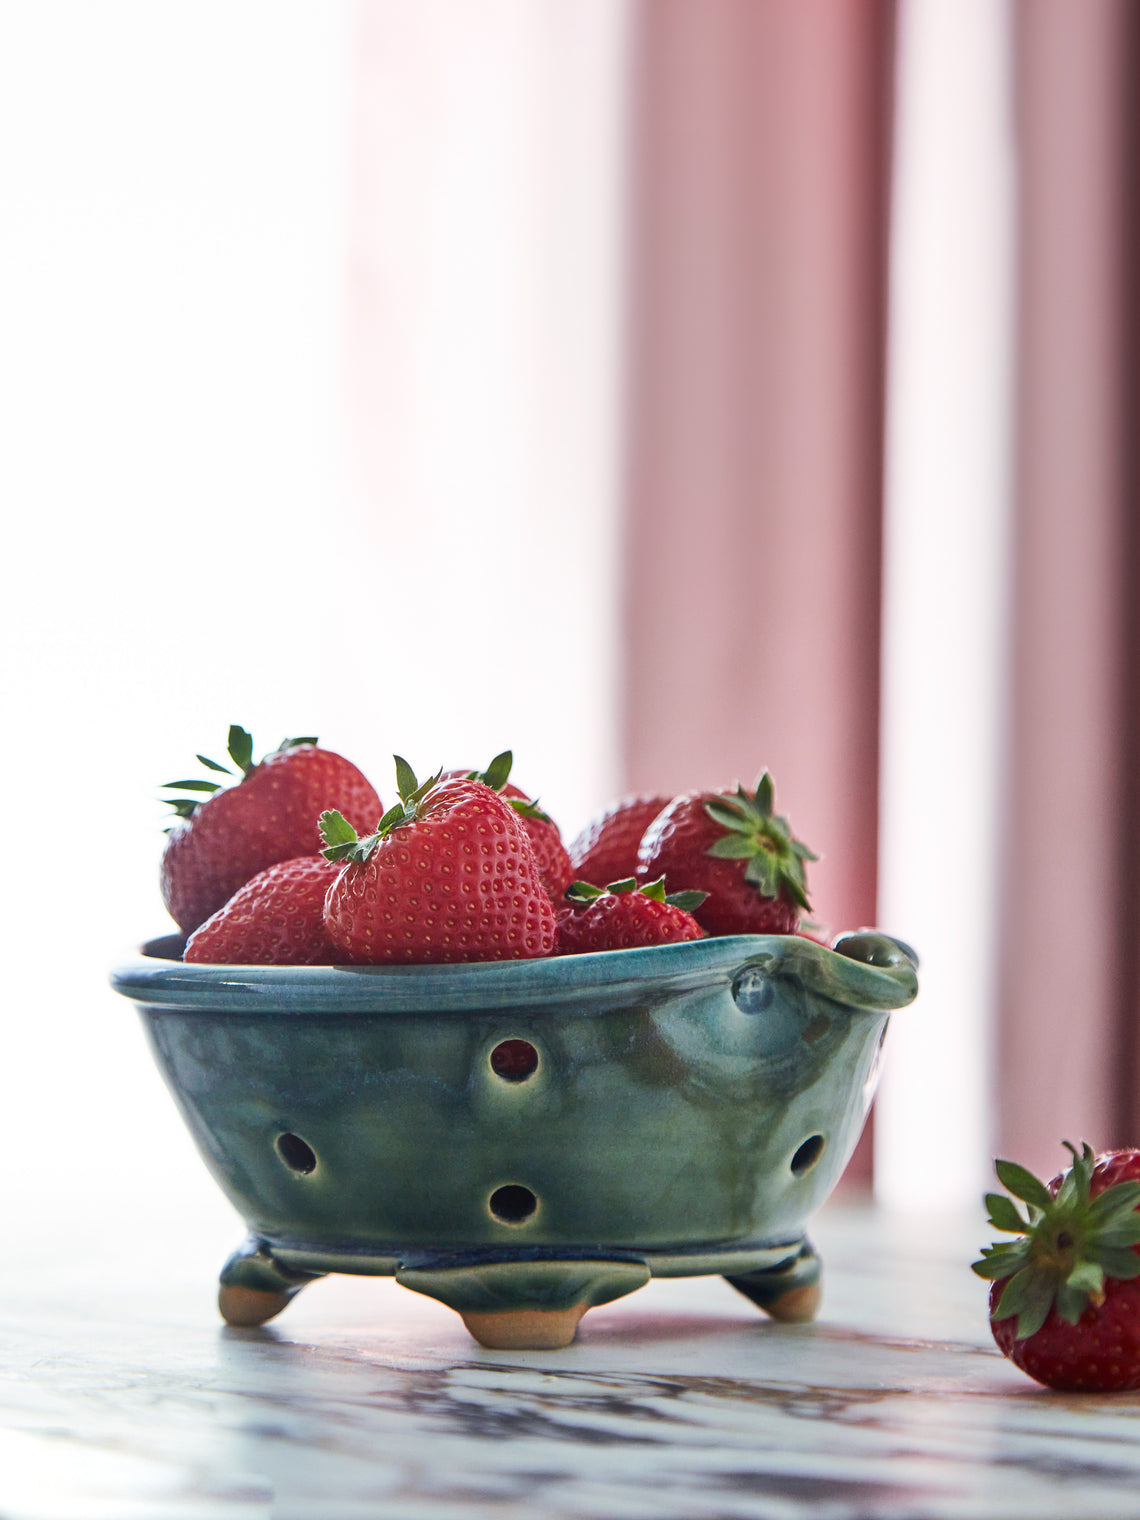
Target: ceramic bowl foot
[
  {"x": 254, "y": 1286},
  {"x": 797, "y": 1306},
  {"x": 791, "y": 1292},
  {"x": 524, "y": 1329},
  {"x": 524, "y": 1305},
  {"x": 247, "y": 1307}
]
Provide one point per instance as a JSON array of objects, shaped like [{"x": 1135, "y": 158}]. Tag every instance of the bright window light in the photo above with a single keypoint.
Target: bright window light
[{"x": 946, "y": 582}]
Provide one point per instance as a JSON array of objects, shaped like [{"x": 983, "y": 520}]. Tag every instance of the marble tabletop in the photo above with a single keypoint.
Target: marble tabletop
[{"x": 122, "y": 1397}]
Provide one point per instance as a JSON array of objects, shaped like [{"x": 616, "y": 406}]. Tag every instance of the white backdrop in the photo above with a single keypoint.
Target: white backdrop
[
  {"x": 188, "y": 540},
  {"x": 946, "y": 588}
]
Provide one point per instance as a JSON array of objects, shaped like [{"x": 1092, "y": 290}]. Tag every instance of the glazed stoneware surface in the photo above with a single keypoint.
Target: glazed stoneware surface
[{"x": 544, "y": 1134}]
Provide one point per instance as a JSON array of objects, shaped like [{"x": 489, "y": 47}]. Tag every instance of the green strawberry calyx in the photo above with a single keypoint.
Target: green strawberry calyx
[
  {"x": 1067, "y": 1245},
  {"x": 342, "y": 841},
  {"x": 581, "y": 893},
  {"x": 239, "y": 747},
  {"x": 758, "y": 835},
  {"x": 496, "y": 776}
]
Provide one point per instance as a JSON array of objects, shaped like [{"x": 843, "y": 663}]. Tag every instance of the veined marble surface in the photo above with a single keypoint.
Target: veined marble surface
[{"x": 122, "y": 1397}]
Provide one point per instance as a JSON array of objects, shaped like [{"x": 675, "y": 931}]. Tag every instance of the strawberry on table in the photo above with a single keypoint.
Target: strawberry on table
[
  {"x": 226, "y": 834},
  {"x": 448, "y": 875},
  {"x": 1065, "y": 1294},
  {"x": 275, "y": 919},
  {"x": 624, "y": 916},
  {"x": 733, "y": 846},
  {"x": 553, "y": 861},
  {"x": 606, "y": 849}
]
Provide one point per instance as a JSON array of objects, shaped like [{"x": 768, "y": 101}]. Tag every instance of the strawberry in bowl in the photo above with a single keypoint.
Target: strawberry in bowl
[
  {"x": 225, "y": 834},
  {"x": 545, "y": 836},
  {"x": 606, "y": 849},
  {"x": 735, "y": 848},
  {"x": 276, "y": 919},
  {"x": 448, "y": 874},
  {"x": 624, "y": 916}
]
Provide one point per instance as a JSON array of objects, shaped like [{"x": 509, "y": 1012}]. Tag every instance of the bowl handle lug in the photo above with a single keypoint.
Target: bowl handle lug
[{"x": 865, "y": 972}]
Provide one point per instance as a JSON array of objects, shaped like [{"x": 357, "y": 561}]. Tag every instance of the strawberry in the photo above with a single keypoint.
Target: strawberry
[
  {"x": 731, "y": 845},
  {"x": 270, "y": 815},
  {"x": 553, "y": 861},
  {"x": 606, "y": 849},
  {"x": 624, "y": 916},
  {"x": 448, "y": 875},
  {"x": 276, "y": 919},
  {"x": 1065, "y": 1295}
]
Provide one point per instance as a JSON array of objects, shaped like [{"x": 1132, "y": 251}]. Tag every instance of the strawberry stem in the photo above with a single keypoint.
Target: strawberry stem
[
  {"x": 496, "y": 777},
  {"x": 212, "y": 765},
  {"x": 754, "y": 833},
  {"x": 582, "y": 892},
  {"x": 498, "y": 772},
  {"x": 341, "y": 839},
  {"x": 239, "y": 746},
  {"x": 1067, "y": 1245}
]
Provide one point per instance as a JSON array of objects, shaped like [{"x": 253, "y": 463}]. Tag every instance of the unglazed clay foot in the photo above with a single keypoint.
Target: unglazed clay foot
[
  {"x": 797, "y": 1306},
  {"x": 253, "y": 1286},
  {"x": 525, "y": 1305},
  {"x": 247, "y": 1307},
  {"x": 791, "y": 1292},
  {"x": 524, "y": 1329}
]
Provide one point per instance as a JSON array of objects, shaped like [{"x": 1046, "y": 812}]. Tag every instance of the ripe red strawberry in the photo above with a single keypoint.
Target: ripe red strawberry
[
  {"x": 270, "y": 815},
  {"x": 1065, "y": 1295},
  {"x": 449, "y": 875},
  {"x": 606, "y": 849},
  {"x": 624, "y": 916},
  {"x": 276, "y": 919},
  {"x": 553, "y": 861},
  {"x": 731, "y": 845}
]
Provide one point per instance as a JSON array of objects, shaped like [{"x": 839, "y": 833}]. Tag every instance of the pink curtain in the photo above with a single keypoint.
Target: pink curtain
[
  {"x": 1068, "y": 1044},
  {"x": 757, "y": 281},
  {"x": 759, "y": 148},
  {"x": 756, "y": 413}
]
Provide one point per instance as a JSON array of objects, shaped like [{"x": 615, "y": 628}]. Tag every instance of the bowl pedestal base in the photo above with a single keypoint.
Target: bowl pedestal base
[{"x": 516, "y": 1304}]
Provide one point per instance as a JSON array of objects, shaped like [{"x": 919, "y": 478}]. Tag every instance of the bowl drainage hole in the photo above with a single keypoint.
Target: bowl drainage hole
[
  {"x": 514, "y": 1060},
  {"x": 296, "y": 1153},
  {"x": 512, "y": 1204},
  {"x": 807, "y": 1155}
]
